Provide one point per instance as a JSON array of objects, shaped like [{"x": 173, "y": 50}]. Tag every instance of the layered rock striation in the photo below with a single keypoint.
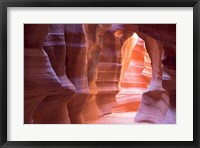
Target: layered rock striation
[
  {"x": 135, "y": 72},
  {"x": 40, "y": 80},
  {"x": 75, "y": 72},
  {"x": 53, "y": 109},
  {"x": 158, "y": 101},
  {"x": 76, "y": 69}
]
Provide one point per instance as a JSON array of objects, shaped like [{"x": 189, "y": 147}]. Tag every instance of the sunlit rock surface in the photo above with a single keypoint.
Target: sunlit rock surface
[
  {"x": 92, "y": 34},
  {"x": 155, "y": 99},
  {"x": 109, "y": 68},
  {"x": 158, "y": 102},
  {"x": 135, "y": 72},
  {"x": 100, "y": 73}
]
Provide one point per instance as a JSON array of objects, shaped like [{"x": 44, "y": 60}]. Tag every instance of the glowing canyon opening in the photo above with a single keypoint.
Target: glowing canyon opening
[{"x": 99, "y": 73}]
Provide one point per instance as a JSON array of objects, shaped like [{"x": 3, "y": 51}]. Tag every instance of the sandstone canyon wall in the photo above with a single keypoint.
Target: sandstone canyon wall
[
  {"x": 135, "y": 72},
  {"x": 53, "y": 109},
  {"x": 74, "y": 72},
  {"x": 41, "y": 84},
  {"x": 76, "y": 69},
  {"x": 159, "y": 100},
  {"x": 105, "y": 61}
]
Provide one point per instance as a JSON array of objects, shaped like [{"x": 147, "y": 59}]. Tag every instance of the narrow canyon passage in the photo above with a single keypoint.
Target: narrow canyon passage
[
  {"x": 135, "y": 76},
  {"x": 99, "y": 73}
]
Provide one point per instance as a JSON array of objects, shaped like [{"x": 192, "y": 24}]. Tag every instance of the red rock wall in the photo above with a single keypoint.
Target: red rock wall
[
  {"x": 78, "y": 74},
  {"x": 91, "y": 110},
  {"x": 133, "y": 62},
  {"x": 135, "y": 72},
  {"x": 158, "y": 102},
  {"x": 76, "y": 69},
  {"x": 54, "y": 108},
  {"x": 108, "y": 71},
  {"x": 103, "y": 69},
  {"x": 40, "y": 80}
]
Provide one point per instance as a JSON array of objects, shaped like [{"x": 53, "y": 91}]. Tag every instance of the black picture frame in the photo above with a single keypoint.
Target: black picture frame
[{"x": 99, "y": 3}]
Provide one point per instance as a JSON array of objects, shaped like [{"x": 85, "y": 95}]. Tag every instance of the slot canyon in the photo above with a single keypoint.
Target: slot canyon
[{"x": 99, "y": 73}]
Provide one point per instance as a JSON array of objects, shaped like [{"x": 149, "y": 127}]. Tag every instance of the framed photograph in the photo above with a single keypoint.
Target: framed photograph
[{"x": 79, "y": 73}]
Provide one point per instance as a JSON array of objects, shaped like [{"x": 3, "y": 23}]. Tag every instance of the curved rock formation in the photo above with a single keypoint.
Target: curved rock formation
[
  {"x": 109, "y": 68},
  {"x": 76, "y": 63},
  {"x": 40, "y": 80},
  {"x": 133, "y": 56},
  {"x": 157, "y": 102},
  {"x": 91, "y": 111},
  {"x": 103, "y": 69},
  {"x": 169, "y": 80},
  {"x": 83, "y": 69},
  {"x": 155, "y": 99},
  {"x": 147, "y": 71},
  {"x": 54, "y": 107},
  {"x": 134, "y": 73}
]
